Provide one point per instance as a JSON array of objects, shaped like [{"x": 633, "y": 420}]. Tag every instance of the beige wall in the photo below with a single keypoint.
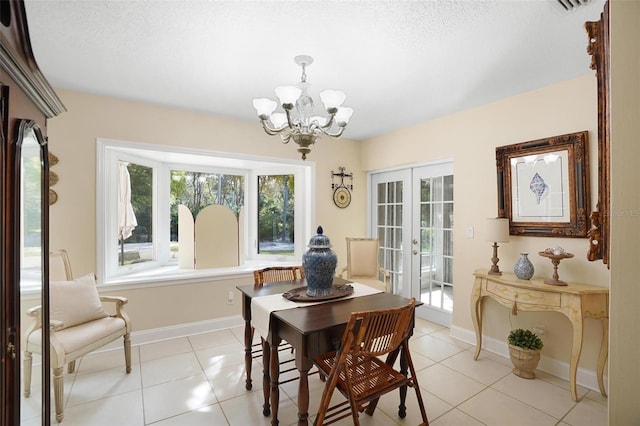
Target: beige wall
[
  {"x": 624, "y": 364},
  {"x": 72, "y": 137},
  {"x": 470, "y": 138}
]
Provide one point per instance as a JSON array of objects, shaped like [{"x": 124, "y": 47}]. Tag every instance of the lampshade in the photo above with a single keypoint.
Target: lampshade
[
  {"x": 320, "y": 120},
  {"x": 288, "y": 94},
  {"x": 497, "y": 230},
  {"x": 278, "y": 119},
  {"x": 332, "y": 98},
  {"x": 264, "y": 106},
  {"x": 343, "y": 115}
]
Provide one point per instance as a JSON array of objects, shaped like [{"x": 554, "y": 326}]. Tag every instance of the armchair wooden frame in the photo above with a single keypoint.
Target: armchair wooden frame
[{"x": 64, "y": 342}]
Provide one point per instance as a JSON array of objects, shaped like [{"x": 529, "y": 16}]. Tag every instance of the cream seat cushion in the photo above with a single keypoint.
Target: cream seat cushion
[{"x": 75, "y": 302}]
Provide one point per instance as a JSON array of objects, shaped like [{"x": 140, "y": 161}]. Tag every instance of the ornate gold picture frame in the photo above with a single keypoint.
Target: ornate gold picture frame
[{"x": 543, "y": 186}]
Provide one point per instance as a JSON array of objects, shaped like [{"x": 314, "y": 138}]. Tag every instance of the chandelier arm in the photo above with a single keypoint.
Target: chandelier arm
[
  {"x": 337, "y": 134},
  {"x": 289, "y": 121},
  {"x": 273, "y": 130},
  {"x": 269, "y": 130},
  {"x": 286, "y": 138},
  {"x": 329, "y": 122}
]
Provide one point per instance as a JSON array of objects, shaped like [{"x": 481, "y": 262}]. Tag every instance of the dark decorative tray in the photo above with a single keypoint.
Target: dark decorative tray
[{"x": 300, "y": 294}]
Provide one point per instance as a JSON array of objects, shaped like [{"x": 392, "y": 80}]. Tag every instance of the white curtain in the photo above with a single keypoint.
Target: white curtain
[{"x": 126, "y": 216}]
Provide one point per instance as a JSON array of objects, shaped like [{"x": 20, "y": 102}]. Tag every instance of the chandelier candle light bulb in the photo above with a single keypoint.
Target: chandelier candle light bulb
[{"x": 297, "y": 122}]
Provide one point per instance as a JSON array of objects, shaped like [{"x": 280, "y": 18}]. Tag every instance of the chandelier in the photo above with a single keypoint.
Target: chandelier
[{"x": 298, "y": 123}]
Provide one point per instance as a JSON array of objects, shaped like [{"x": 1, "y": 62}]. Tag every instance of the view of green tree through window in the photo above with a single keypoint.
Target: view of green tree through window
[
  {"x": 276, "y": 214},
  {"x": 197, "y": 190}
]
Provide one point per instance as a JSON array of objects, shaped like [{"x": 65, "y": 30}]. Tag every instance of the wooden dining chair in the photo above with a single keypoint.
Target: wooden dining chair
[
  {"x": 357, "y": 371},
  {"x": 263, "y": 277}
]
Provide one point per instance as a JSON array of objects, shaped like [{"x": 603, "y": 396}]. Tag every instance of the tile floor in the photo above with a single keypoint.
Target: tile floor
[{"x": 199, "y": 380}]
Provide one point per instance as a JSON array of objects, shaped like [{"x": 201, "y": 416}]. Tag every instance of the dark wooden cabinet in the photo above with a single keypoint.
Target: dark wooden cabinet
[{"x": 26, "y": 102}]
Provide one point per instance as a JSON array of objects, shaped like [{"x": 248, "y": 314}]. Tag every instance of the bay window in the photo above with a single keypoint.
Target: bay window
[{"x": 139, "y": 189}]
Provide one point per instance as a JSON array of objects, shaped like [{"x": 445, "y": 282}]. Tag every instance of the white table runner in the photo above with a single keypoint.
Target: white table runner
[{"x": 261, "y": 307}]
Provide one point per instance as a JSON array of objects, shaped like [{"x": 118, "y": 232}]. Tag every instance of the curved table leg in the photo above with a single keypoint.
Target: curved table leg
[
  {"x": 476, "y": 316},
  {"x": 576, "y": 349},
  {"x": 604, "y": 354}
]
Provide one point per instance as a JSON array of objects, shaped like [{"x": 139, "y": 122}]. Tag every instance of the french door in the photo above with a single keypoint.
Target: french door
[{"x": 412, "y": 216}]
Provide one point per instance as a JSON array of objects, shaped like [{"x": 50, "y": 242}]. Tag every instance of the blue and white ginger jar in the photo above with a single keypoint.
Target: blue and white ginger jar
[
  {"x": 319, "y": 264},
  {"x": 523, "y": 267}
]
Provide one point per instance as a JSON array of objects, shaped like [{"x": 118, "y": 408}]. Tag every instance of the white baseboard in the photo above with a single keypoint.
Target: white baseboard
[
  {"x": 586, "y": 378},
  {"x": 176, "y": 331}
]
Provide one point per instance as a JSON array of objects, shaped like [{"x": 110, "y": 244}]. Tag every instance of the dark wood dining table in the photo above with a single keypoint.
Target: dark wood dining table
[{"x": 311, "y": 330}]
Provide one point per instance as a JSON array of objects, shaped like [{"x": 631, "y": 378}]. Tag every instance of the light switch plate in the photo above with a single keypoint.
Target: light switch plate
[{"x": 469, "y": 231}]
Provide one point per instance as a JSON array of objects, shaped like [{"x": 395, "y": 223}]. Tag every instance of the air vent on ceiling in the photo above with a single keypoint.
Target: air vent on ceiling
[{"x": 569, "y": 5}]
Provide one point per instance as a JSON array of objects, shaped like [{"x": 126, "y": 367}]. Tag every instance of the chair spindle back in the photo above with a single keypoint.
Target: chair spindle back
[{"x": 277, "y": 273}]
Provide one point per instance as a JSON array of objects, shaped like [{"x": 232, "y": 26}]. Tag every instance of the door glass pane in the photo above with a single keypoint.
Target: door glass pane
[
  {"x": 390, "y": 216},
  {"x": 390, "y": 210},
  {"x": 447, "y": 241},
  {"x": 447, "y": 215},
  {"x": 399, "y": 186},
  {"x": 382, "y": 193},
  {"x": 398, "y": 215},
  {"x": 425, "y": 215},
  {"x": 381, "y": 215},
  {"x": 436, "y": 193},
  {"x": 448, "y": 188},
  {"x": 436, "y": 245}
]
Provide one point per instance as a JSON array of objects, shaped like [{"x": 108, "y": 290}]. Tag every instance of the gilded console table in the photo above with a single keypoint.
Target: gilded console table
[{"x": 575, "y": 301}]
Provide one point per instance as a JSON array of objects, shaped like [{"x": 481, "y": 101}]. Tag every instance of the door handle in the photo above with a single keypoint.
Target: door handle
[
  {"x": 414, "y": 241},
  {"x": 11, "y": 350},
  {"x": 415, "y": 252}
]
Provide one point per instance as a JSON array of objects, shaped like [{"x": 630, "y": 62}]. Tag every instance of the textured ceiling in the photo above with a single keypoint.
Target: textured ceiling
[{"x": 399, "y": 62}]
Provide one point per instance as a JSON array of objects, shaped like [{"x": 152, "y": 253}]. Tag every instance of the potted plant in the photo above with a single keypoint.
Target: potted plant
[{"x": 524, "y": 351}]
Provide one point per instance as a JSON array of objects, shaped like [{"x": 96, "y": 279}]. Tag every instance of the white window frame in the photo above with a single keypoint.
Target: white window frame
[{"x": 110, "y": 152}]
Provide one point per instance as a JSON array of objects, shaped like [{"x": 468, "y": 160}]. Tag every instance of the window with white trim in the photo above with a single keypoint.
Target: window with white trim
[{"x": 275, "y": 197}]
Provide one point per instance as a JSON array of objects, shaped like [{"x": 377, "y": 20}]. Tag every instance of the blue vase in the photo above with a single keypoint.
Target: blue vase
[
  {"x": 319, "y": 264},
  {"x": 523, "y": 267}
]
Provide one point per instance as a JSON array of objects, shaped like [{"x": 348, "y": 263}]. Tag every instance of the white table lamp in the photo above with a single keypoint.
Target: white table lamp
[{"x": 497, "y": 232}]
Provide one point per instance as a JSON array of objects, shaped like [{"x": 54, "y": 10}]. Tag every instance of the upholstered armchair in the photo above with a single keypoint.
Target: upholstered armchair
[
  {"x": 78, "y": 325},
  {"x": 362, "y": 264}
]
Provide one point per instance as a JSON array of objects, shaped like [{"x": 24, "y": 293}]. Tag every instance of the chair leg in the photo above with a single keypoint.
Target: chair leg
[
  {"x": 412, "y": 370},
  {"x": 58, "y": 392},
  {"x": 26, "y": 366},
  {"x": 127, "y": 352},
  {"x": 71, "y": 366},
  {"x": 327, "y": 393}
]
